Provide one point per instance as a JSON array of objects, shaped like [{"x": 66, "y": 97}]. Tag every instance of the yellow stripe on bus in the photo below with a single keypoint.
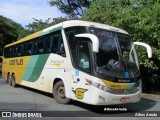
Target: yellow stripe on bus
[
  {"x": 30, "y": 37},
  {"x": 17, "y": 66},
  {"x": 115, "y": 85}
]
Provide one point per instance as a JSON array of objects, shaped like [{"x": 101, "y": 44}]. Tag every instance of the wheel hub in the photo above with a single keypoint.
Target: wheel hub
[{"x": 61, "y": 92}]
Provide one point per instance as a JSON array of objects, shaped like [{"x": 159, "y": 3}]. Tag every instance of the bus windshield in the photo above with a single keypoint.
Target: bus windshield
[{"x": 117, "y": 56}]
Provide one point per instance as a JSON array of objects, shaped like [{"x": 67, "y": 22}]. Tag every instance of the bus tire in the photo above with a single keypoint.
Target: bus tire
[
  {"x": 59, "y": 93},
  {"x": 8, "y": 77},
  {"x": 10, "y": 80},
  {"x": 13, "y": 80}
]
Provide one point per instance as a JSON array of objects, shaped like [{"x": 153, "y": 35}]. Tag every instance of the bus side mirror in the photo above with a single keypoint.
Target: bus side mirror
[
  {"x": 93, "y": 38},
  {"x": 148, "y": 47}
]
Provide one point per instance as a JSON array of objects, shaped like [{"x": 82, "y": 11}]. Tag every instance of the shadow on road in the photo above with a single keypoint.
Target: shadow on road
[
  {"x": 34, "y": 90},
  {"x": 144, "y": 104}
]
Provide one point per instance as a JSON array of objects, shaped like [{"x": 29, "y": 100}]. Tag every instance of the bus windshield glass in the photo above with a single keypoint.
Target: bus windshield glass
[{"x": 117, "y": 56}]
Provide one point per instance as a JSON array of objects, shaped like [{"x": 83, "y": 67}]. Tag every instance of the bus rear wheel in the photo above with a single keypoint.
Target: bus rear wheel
[
  {"x": 13, "y": 80},
  {"x": 59, "y": 93},
  {"x": 9, "y": 79}
]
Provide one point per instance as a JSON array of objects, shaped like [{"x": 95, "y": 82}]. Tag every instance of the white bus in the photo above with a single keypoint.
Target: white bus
[{"x": 85, "y": 61}]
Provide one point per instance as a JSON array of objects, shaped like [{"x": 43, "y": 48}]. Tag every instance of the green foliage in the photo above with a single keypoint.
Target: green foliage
[
  {"x": 22, "y": 32},
  {"x": 141, "y": 18},
  {"x": 9, "y": 31},
  {"x": 38, "y": 25},
  {"x": 72, "y": 8}
]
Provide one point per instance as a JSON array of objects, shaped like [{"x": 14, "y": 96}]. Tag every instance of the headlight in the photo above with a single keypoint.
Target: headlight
[
  {"x": 95, "y": 84},
  {"x": 99, "y": 86}
]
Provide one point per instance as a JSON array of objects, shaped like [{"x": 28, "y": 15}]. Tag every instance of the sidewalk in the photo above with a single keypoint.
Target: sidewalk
[{"x": 155, "y": 96}]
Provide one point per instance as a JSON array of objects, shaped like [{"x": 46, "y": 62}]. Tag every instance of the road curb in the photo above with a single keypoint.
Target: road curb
[{"x": 151, "y": 95}]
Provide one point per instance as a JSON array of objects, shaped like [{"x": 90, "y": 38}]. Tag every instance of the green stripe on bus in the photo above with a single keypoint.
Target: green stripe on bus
[
  {"x": 38, "y": 68},
  {"x": 131, "y": 85},
  {"x": 50, "y": 31},
  {"x": 30, "y": 67}
]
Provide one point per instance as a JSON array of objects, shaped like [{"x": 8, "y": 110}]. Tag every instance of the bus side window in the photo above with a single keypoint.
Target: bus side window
[
  {"x": 72, "y": 43},
  {"x": 11, "y": 51},
  {"x": 83, "y": 57},
  {"x": 47, "y": 44},
  {"x": 35, "y": 47},
  {"x": 71, "y": 38},
  {"x": 51, "y": 43},
  {"x": 19, "y": 50},
  {"x": 23, "y": 49},
  {"x": 40, "y": 46},
  {"x": 14, "y": 51},
  {"x": 6, "y": 52},
  {"x": 57, "y": 45},
  {"x": 29, "y": 48}
]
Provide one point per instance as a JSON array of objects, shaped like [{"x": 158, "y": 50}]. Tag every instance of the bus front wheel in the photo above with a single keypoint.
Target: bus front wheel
[{"x": 59, "y": 93}]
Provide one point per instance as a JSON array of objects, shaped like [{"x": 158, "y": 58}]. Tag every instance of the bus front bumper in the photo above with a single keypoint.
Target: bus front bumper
[{"x": 105, "y": 98}]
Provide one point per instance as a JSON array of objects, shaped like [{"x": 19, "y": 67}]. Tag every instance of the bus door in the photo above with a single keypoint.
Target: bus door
[{"x": 80, "y": 88}]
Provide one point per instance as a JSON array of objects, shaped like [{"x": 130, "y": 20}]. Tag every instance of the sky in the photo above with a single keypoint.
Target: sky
[{"x": 23, "y": 11}]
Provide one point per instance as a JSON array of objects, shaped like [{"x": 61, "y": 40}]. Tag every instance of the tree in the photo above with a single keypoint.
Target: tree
[
  {"x": 72, "y": 8},
  {"x": 22, "y": 32},
  {"x": 141, "y": 18},
  {"x": 38, "y": 25},
  {"x": 10, "y": 31}
]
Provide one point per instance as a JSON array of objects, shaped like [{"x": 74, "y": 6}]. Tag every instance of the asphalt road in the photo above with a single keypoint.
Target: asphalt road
[{"x": 25, "y": 99}]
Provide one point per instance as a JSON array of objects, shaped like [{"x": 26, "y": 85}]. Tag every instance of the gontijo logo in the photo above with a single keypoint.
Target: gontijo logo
[
  {"x": 16, "y": 62},
  {"x": 79, "y": 92}
]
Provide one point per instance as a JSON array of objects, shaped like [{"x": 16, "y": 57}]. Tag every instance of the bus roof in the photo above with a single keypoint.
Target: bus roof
[
  {"x": 91, "y": 24},
  {"x": 65, "y": 24}
]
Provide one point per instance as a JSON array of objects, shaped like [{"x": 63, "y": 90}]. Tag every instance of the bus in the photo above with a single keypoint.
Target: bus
[{"x": 77, "y": 60}]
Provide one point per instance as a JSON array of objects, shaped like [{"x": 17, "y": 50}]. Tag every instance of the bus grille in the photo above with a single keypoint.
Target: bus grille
[{"x": 122, "y": 92}]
